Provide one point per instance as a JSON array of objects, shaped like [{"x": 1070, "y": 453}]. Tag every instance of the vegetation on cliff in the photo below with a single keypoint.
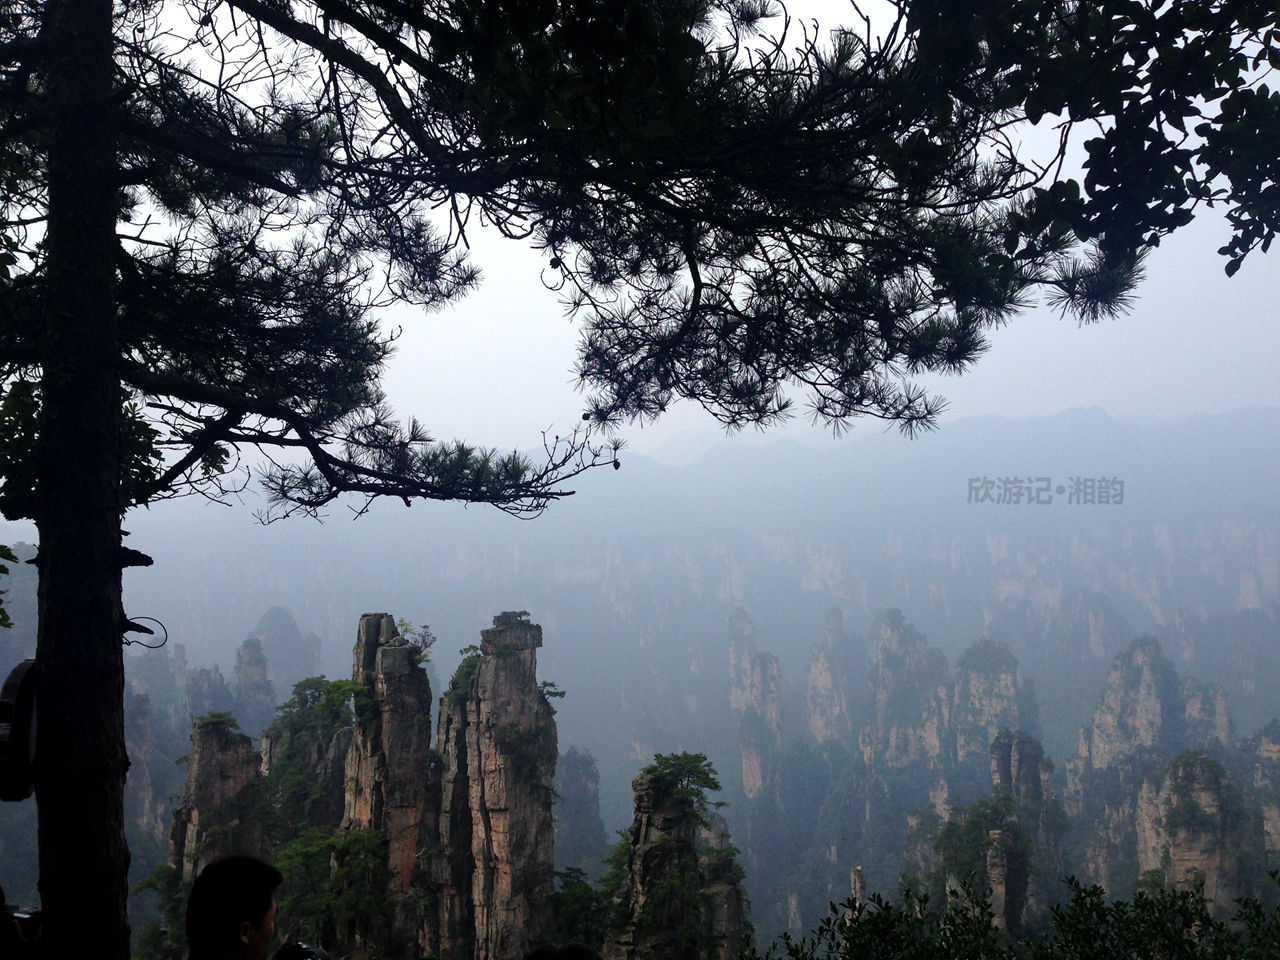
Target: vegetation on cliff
[{"x": 1164, "y": 923}]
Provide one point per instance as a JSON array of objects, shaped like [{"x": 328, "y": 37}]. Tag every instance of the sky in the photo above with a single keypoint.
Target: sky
[{"x": 496, "y": 367}]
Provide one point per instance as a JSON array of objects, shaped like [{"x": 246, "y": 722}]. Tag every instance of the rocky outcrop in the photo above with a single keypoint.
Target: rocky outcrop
[
  {"x": 755, "y": 695},
  {"x": 511, "y": 756},
  {"x": 657, "y": 898},
  {"x": 724, "y": 906},
  {"x": 1008, "y": 870},
  {"x": 1261, "y": 754},
  {"x": 828, "y": 695},
  {"x": 1021, "y": 771},
  {"x": 673, "y": 903},
  {"x": 988, "y": 699},
  {"x": 911, "y": 700},
  {"x": 291, "y": 656},
  {"x": 466, "y": 825},
  {"x": 454, "y": 934},
  {"x": 1141, "y": 708},
  {"x": 1205, "y": 714},
  {"x": 255, "y": 697},
  {"x": 322, "y": 754},
  {"x": 206, "y": 691},
  {"x": 1135, "y": 777},
  {"x": 581, "y": 840},
  {"x": 1207, "y": 835},
  {"x": 388, "y": 769},
  {"x": 155, "y": 781},
  {"x": 1146, "y": 711},
  {"x": 206, "y": 822}
]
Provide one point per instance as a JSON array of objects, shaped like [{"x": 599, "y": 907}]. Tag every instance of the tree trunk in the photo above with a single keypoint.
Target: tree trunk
[{"x": 80, "y": 751}]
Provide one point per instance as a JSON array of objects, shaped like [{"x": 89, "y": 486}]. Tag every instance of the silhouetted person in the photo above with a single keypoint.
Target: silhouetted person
[{"x": 231, "y": 914}]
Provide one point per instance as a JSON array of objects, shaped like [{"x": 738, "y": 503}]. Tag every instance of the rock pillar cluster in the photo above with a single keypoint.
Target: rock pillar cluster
[
  {"x": 466, "y": 822},
  {"x": 1154, "y": 802}
]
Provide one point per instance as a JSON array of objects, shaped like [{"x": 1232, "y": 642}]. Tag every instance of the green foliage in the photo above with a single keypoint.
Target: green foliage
[
  {"x": 460, "y": 684},
  {"x": 218, "y": 719},
  {"x": 613, "y": 881},
  {"x": 685, "y": 777},
  {"x": 881, "y": 930},
  {"x": 581, "y": 910},
  {"x": 527, "y": 751},
  {"x": 162, "y": 939},
  {"x": 322, "y": 705},
  {"x": 550, "y": 690},
  {"x": 971, "y": 835},
  {"x": 719, "y": 862},
  {"x": 1157, "y": 924},
  {"x": 141, "y": 456},
  {"x": 333, "y": 877},
  {"x": 1166, "y": 923},
  {"x": 420, "y": 639},
  {"x": 674, "y": 905},
  {"x": 6, "y": 557},
  {"x": 307, "y": 721}
]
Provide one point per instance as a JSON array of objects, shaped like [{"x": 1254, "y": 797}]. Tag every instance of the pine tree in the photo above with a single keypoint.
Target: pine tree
[{"x": 206, "y": 202}]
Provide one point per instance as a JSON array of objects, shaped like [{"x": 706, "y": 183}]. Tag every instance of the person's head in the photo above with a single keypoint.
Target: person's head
[{"x": 231, "y": 911}]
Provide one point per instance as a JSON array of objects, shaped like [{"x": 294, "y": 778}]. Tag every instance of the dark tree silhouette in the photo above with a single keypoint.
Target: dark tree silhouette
[{"x": 206, "y": 202}]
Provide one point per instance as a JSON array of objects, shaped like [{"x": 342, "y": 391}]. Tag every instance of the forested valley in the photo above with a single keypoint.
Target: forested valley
[{"x": 1091, "y": 695}]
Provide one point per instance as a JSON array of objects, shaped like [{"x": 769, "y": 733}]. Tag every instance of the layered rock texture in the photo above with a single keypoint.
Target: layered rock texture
[
  {"x": 221, "y": 767},
  {"x": 1151, "y": 797},
  {"x": 1206, "y": 834},
  {"x": 390, "y": 782},
  {"x": 1021, "y": 772},
  {"x": 464, "y": 826},
  {"x": 911, "y": 715},
  {"x": 830, "y": 699},
  {"x": 679, "y": 899},
  {"x": 755, "y": 696},
  {"x": 893, "y": 742}
]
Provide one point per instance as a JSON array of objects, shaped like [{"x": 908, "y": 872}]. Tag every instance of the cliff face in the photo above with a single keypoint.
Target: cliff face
[
  {"x": 511, "y": 762},
  {"x": 755, "y": 695},
  {"x": 1141, "y": 708},
  {"x": 388, "y": 767},
  {"x": 456, "y": 864},
  {"x": 1262, "y": 758},
  {"x": 988, "y": 699},
  {"x": 1207, "y": 834},
  {"x": 911, "y": 700},
  {"x": 829, "y": 698},
  {"x": 255, "y": 697},
  {"x": 467, "y": 824},
  {"x": 581, "y": 840},
  {"x": 657, "y": 896},
  {"x": 1020, "y": 771},
  {"x": 1151, "y": 801},
  {"x": 680, "y": 897},
  {"x": 322, "y": 754},
  {"x": 221, "y": 764}
]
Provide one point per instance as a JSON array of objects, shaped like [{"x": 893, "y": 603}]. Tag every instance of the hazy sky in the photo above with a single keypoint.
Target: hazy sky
[{"x": 496, "y": 368}]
